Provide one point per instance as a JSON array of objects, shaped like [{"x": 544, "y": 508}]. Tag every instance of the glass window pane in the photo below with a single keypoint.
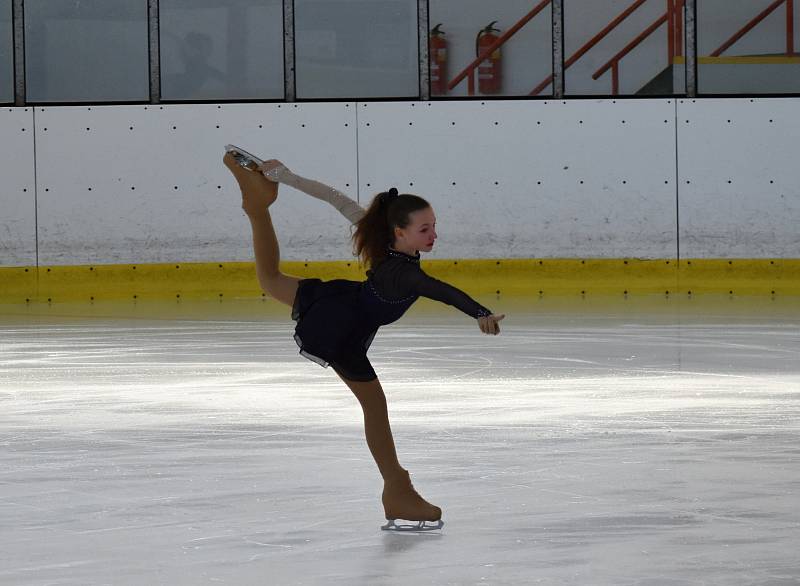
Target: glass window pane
[
  {"x": 86, "y": 50},
  {"x": 221, "y": 49},
  {"x": 761, "y": 60},
  {"x": 6, "y": 52},
  {"x": 641, "y": 54},
  {"x": 356, "y": 48},
  {"x": 524, "y": 62}
]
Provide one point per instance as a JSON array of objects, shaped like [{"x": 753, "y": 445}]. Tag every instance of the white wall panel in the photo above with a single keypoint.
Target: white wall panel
[
  {"x": 146, "y": 183},
  {"x": 516, "y": 179},
  {"x": 739, "y": 188},
  {"x": 587, "y": 178},
  {"x": 17, "y": 188}
]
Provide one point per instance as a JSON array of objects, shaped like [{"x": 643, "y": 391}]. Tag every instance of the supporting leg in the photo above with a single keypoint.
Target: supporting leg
[
  {"x": 400, "y": 499},
  {"x": 376, "y": 424}
]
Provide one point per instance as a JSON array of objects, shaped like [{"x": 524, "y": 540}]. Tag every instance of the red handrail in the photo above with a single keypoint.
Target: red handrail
[
  {"x": 755, "y": 21},
  {"x": 614, "y": 62},
  {"x": 675, "y": 29},
  {"x": 671, "y": 29},
  {"x": 592, "y": 42},
  {"x": 469, "y": 70},
  {"x": 673, "y": 17}
]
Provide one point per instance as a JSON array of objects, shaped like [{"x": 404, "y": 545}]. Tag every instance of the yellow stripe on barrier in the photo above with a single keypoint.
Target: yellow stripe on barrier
[
  {"x": 511, "y": 277},
  {"x": 742, "y": 60},
  {"x": 740, "y": 276},
  {"x": 18, "y": 284},
  {"x": 526, "y": 277}
]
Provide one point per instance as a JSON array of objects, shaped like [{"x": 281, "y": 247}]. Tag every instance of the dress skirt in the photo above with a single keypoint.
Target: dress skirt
[{"x": 330, "y": 328}]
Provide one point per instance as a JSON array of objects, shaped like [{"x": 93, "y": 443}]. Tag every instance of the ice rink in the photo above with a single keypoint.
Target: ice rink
[{"x": 591, "y": 446}]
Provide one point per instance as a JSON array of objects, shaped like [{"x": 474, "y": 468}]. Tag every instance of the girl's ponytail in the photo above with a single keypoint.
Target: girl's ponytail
[{"x": 374, "y": 232}]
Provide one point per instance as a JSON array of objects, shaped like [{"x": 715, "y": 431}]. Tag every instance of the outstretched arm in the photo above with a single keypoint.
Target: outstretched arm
[
  {"x": 277, "y": 171},
  {"x": 419, "y": 283}
]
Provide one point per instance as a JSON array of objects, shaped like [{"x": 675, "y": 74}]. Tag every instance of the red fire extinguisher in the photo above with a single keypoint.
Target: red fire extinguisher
[
  {"x": 490, "y": 77},
  {"x": 438, "y": 61}
]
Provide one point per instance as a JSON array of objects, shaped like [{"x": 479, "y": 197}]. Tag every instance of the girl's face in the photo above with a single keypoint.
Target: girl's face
[{"x": 420, "y": 234}]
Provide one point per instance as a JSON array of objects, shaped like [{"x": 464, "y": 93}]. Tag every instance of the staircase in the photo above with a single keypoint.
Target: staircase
[
  {"x": 741, "y": 74},
  {"x": 663, "y": 84}
]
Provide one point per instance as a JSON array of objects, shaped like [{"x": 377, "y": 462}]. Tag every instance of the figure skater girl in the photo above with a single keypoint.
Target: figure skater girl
[{"x": 337, "y": 319}]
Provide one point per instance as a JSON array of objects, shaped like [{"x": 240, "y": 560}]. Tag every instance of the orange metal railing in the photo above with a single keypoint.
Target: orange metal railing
[
  {"x": 673, "y": 18},
  {"x": 675, "y": 35},
  {"x": 675, "y": 28},
  {"x": 592, "y": 42},
  {"x": 469, "y": 70},
  {"x": 757, "y": 19}
]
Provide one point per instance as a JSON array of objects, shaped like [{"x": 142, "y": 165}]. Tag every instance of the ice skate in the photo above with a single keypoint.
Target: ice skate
[
  {"x": 402, "y": 502},
  {"x": 256, "y": 189},
  {"x": 243, "y": 158}
]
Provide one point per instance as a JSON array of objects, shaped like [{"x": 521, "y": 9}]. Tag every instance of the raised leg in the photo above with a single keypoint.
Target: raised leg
[{"x": 258, "y": 193}]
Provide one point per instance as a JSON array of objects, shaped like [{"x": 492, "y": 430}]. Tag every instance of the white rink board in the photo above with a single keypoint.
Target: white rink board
[
  {"x": 17, "y": 188},
  {"x": 529, "y": 179},
  {"x": 739, "y": 187},
  {"x": 121, "y": 184},
  {"x": 517, "y": 192}
]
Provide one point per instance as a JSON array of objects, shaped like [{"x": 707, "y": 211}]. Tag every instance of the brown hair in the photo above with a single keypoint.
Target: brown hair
[{"x": 375, "y": 230}]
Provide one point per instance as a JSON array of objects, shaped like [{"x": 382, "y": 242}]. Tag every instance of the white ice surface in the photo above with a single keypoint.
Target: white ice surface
[{"x": 567, "y": 450}]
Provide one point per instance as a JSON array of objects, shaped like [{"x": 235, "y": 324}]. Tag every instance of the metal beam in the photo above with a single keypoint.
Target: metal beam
[
  {"x": 691, "y": 48},
  {"x": 289, "y": 75},
  {"x": 18, "y": 16},
  {"x": 153, "y": 28},
  {"x": 424, "y": 61},
  {"x": 557, "y": 9}
]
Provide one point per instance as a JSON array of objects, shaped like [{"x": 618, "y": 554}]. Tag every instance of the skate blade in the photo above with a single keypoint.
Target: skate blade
[
  {"x": 241, "y": 156},
  {"x": 392, "y": 525}
]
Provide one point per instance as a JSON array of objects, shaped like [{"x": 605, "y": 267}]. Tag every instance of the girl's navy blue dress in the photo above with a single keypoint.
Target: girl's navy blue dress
[{"x": 337, "y": 319}]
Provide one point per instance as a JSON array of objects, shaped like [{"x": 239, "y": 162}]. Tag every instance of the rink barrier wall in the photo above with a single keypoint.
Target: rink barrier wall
[
  {"x": 513, "y": 278},
  {"x": 584, "y": 178}
]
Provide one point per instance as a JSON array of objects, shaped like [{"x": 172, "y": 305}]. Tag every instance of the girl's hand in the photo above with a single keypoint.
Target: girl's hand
[
  {"x": 488, "y": 324},
  {"x": 270, "y": 169}
]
